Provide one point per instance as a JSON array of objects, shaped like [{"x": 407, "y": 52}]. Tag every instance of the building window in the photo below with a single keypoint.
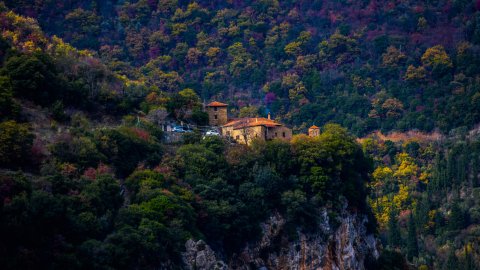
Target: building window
[
  {"x": 216, "y": 116},
  {"x": 276, "y": 134},
  {"x": 215, "y": 108},
  {"x": 283, "y": 134},
  {"x": 238, "y": 137}
]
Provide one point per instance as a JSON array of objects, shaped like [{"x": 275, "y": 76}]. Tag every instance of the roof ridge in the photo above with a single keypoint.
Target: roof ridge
[{"x": 216, "y": 104}]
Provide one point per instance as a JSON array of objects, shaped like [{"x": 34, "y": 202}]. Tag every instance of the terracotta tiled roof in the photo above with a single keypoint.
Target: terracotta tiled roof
[
  {"x": 314, "y": 127},
  {"x": 217, "y": 104},
  {"x": 252, "y": 122}
]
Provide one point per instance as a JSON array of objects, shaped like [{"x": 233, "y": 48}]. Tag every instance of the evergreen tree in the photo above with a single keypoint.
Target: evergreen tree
[
  {"x": 475, "y": 166},
  {"x": 439, "y": 174},
  {"x": 450, "y": 171},
  {"x": 457, "y": 219},
  {"x": 421, "y": 212},
  {"x": 452, "y": 261},
  {"x": 461, "y": 169},
  {"x": 394, "y": 236},
  {"x": 412, "y": 243}
]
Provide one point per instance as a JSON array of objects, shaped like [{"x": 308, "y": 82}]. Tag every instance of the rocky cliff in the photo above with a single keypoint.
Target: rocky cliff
[{"x": 344, "y": 247}]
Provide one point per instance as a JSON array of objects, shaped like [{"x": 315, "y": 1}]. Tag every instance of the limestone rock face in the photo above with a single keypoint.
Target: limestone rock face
[
  {"x": 199, "y": 255},
  {"x": 345, "y": 247}
]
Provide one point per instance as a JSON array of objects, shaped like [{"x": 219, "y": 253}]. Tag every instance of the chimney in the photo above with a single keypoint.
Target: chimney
[
  {"x": 256, "y": 120},
  {"x": 269, "y": 116}
]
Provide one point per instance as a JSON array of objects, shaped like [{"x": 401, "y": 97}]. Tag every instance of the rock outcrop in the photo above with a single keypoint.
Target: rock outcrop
[
  {"x": 344, "y": 247},
  {"x": 199, "y": 255}
]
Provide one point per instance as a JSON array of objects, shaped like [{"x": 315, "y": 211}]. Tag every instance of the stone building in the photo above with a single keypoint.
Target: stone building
[
  {"x": 314, "y": 131},
  {"x": 244, "y": 130},
  {"x": 217, "y": 113}
]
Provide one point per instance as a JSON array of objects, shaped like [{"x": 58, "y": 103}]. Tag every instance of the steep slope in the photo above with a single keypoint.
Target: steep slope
[
  {"x": 349, "y": 246},
  {"x": 363, "y": 64}
]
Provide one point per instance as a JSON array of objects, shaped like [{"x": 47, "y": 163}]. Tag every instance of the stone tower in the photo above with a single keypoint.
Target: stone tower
[
  {"x": 217, "y": 113},
  {"x": 314, "y": 131}
]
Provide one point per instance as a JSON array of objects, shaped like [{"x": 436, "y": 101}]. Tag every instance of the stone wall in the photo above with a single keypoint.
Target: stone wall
[{"x": 217, "y": 116}]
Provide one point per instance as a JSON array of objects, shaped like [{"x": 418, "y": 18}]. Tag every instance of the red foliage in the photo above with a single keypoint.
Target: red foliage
[
  {"x": 420, "y": 108},
  {"x": 416, "y": 38},
  {"x": 418, "y": 9},
  {"x": 303, "y": 101},
  {"x": 333, "y": 17},
  {"x": 163, "y": 169},
  {"x": 403, "y": 217},
  {"x": 142, "y": 134},
  {"x": 104, "y": 169},
  {"x": 390, "y": 6},
  {"x": 90, "y": 173}
]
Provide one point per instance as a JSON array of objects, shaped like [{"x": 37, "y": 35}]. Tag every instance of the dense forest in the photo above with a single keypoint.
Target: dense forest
[
  {"x": 87, "y": 180},
  {"x": 363, "y": 64}
]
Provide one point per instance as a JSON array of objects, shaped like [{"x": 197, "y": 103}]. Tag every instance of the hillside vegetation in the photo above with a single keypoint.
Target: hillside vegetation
[
  {"x": 87, "y": 180},
  {"x": 363, "y": 64},
  {"x": 94, "y": 187}
]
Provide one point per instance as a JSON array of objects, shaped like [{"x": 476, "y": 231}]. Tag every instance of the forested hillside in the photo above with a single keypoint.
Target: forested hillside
[
  {"x": 425, "y": 196},
  {"x": 86, "y": 183},
  {"x": 363, "y": 64},
  {"x": 87, "y": 180}
]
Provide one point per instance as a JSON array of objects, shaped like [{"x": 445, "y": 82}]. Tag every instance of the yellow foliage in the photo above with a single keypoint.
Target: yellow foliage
[
  {"x": 415, "y": 74},
  {"x": 293, "y": 48},
  {"x": 400, "y": 199},
  {"x": 436, "y": 56},
  {"x": 424, "y": 176},
  {"x": 407, "y": 168},
  {"x": 431, "y": 219},
  {"x": 381, "y": 209},
  {"x": 382, "y": 173},
  {"x": 393, "y": 57},
  {"x": 213, "y": 52},
  {"x": 29, "y": 46}
]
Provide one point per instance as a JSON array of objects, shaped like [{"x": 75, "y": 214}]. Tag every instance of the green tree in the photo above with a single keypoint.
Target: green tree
[
  {"x": 394, "y": 236},
  {"x": 452, "y": 260},
  {"x": 250, "y": 111},
  {"x": 83, "y": 28},
  {"x": 339, "y": 48},
  {"x": 15, "y": 144},
  {"x": 8, "y": 107},
  {"x": 33, "y": 77},
  {"x": 412, "y": 243},
  {"x": 456, "y": 220}
]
